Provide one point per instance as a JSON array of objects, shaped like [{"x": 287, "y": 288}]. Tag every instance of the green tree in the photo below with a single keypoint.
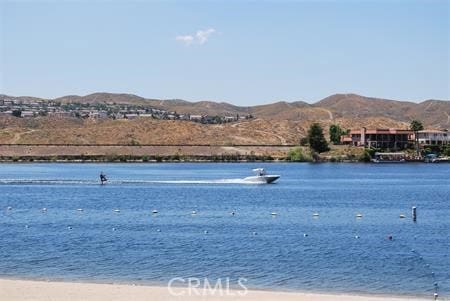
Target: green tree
[
  {"x": 416, "y": 126},
  {"x": 366, "y": 156},
  {"x": 335, "y": 133},
  {"x": 316, "y": 139},
  {"x": 446, "y": 151}
]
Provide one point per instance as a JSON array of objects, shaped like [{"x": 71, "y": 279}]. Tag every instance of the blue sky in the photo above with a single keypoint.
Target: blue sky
[{"x": 245, "y": 53}]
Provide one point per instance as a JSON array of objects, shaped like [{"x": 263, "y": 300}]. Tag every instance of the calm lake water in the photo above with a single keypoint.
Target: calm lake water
[{"x": 293, "y": 250}]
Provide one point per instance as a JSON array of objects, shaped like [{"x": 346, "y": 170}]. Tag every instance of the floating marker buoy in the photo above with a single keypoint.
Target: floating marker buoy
[
  {"x": 316, "y": 214},
  {"x": 44, "y": 209},
  {"x": 80, "y": 209},
  {"x": 359, "y": 215},
  {"x": 114, "y": 229},
  {"x": 232, "y": 213},
  {"x": 402, "y": 216},
  {"x": 158, "y": 230},
  {"x": 254, "y": 233},
  {"x": 356, "y": 236},
  {"x": 26, "y": 226},
  {"x": 116, "y": 210},
  {"x": 194, "y": 212},
  {"x": 9, "y": 208},
  {"x": 154, "y": 211},
  {"x": 305, "y": 235},
  {"x": 390, "y": 237},
  {"x": 70, "y": 228},
  {"x": 274, "y": 213},
  {"x": 206, "y": 231}
]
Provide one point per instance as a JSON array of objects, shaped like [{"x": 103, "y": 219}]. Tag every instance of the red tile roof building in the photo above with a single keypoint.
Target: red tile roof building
[{"x": 380, "y": 138}]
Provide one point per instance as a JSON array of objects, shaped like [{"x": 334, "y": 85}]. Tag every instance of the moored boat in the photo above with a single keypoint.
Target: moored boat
[{"x": 389, "y": 158}]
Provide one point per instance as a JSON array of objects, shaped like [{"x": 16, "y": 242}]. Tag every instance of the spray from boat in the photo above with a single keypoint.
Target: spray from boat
[{"x": 260, "y": 177}]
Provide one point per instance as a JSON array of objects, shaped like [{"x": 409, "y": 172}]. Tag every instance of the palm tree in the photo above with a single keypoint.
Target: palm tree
[{"x": 416, "y": 126}]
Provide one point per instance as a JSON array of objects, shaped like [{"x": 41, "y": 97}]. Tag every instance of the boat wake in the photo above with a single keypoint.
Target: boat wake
[
  {"x": 221, "y": 181},
  {"x": 117, "y": 182}
]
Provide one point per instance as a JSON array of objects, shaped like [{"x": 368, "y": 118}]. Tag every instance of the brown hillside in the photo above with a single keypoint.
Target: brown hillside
[
  {"x": 277, "y": 123},
  {"x": 150, "y": 131}
]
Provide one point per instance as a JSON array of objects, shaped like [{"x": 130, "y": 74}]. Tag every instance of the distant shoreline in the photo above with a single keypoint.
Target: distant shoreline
[
  {"x": 170, "y": 153},
  {"x": 171, "y": 159}
]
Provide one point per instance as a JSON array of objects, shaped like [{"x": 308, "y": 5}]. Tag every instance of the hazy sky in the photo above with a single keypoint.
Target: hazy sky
[{"x": 241, "y": 52}]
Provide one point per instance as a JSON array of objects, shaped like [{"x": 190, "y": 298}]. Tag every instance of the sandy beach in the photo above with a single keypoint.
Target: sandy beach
[{"x": 14, "y": 290}]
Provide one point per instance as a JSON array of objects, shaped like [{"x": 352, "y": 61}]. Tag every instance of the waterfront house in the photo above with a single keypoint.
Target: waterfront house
[
  {"x": 379, "y": 138},
  {"x": 433, "y": 137}
]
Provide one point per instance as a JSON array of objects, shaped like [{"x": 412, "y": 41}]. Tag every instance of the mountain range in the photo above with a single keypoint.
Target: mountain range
[
  {"x": 280, "y": 122},
  {"x": 433, "y": 113}
]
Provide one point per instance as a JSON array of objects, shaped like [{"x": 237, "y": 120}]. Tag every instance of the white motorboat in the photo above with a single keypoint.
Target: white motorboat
[{"x": 261, "y": 177}]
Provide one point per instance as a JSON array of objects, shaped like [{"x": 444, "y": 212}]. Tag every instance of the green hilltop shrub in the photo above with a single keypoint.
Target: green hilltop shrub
[{"x": 296, "y": 155}]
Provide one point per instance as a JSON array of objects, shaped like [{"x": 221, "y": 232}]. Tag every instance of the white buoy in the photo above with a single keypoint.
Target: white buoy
[
  {"x": 70, "y": 228},
  {"x": 402, "y": 216},
  {"x": 194, "y": 212},
  {"x": 114, "y": 229},
  {"x": 232, "y": 212},
  {"x": 316, "y": 214},
  {"x": 80, "y": 209},
  {"x": 26, "y": 226},
  {"x": 274, "y": 214},
  {"x": 9, "y": 208},
  {"x": 359, "y": 215},
  {"x": 305, "y": 235},
  {"x": 206, "y": 232},
  {"x": 158, "y": 230},
  {"x": 357, "y": 236},
  {"x": 116, "y": 210},
  {"x": 44, "y": 209},
  {"x": 154, "y": 211},
  {"x": 254, "y": 233}
]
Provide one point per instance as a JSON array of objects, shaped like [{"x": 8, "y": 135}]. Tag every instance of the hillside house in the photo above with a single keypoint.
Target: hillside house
[
  {"x": 145, "y": 115},
  {"x": 27, "y": 114},
  {"x": 131, "y": 116},
  {"x": 195, "y": 117}
]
